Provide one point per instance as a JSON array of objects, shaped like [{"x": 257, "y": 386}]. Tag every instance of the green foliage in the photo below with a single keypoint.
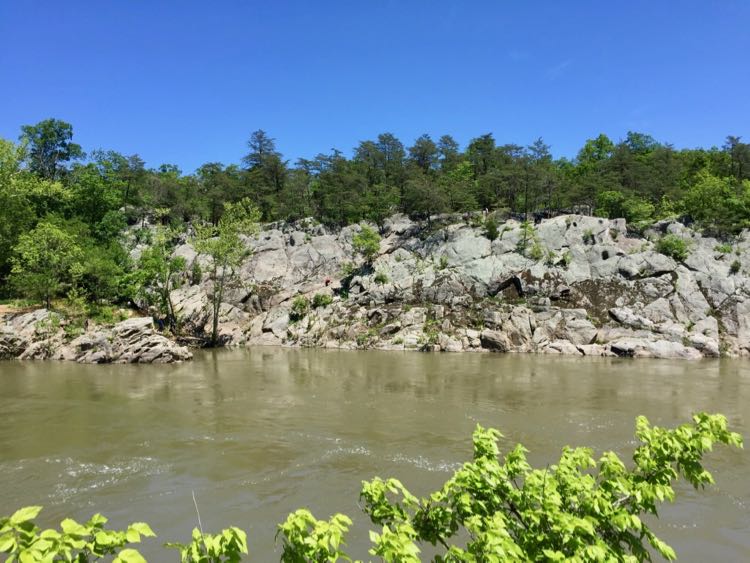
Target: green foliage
[
  {"x": 227, "y": 546},
  {"x": 47, "y": 261},
  {"x": 577, "y": 509},
  {"x": 719, "y": 204},
  {"x": 321, "y": 300},
  {"x": 735, "y": 267},
  {"x": 674, "y": 247},
  {"x": 443, "y": 264},
  {"x": 348, "y": 269},
  {"x": 50, "y": 147},
  {"x": 723, "y": 248},
  {"x": 307, "y": 539},
  {"x": 367, "y": 243},
  {"x": 490, "y": 229},
  {"x": 537, "y": 251},
  {"x": 223, "y": 246},
  {"x": 196, "y": 273},
  {"x": 381, "y": 278},
  {"x": 300, "y": 308},
  {"x": 23, "y": 541},
  {"x": 634, "y": 209},
  {"x": 588, "y": 237},
  {"x": 158, "y": 274}
]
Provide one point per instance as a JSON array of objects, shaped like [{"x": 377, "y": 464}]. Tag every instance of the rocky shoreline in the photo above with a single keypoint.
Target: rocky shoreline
[{"x": 572, "y": 284}]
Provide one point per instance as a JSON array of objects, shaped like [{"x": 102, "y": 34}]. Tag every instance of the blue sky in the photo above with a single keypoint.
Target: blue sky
[{"x": 187, "y": 82}]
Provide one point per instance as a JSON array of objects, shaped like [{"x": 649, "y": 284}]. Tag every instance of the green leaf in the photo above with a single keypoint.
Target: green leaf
[
  {"x": 143, "y": 529},
  {"x": 71, "y": 527},
  {"x": 25, "y": 514},
  {"x": 129, "y": 556},
  {"x": 7, "y": 543}
]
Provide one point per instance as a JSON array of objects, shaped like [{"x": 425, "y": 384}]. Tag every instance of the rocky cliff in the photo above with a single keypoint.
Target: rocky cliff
[{"x": 570, "y": 285}]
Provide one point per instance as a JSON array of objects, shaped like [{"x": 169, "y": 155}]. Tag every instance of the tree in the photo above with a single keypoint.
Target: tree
[
  {"x": 367, "y": 243},
  {"x": 448, "y": 151},
  {"x": 424, "y": 153},
  {"x": 266, "y": 173},
  {"x": 158, "y": 274},
  {"x": 47, "y": 261},
  {"x": 424, "y": 198},
  {"x": 481, "y": 153},
  {"x": 262, "y": 147},
  {"x": 50, "y": 147},
  {"x": 225, "y": 250},
  {"x": 17, "y": 214}
]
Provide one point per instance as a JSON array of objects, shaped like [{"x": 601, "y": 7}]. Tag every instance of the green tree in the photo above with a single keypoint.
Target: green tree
[
  {"x": 225, "y": 250},
  {"x": 17, "y": 214},
  {"x": 424, "y": 153},
  {"x": 50, "y": 147},
  {"x": 47, "y": 261},
  {"x": 159, "y": 273},
  {"x": 448, "y": 152},
  {"x": 423, "y": 197},
  {"x": 367, "y": 243}
]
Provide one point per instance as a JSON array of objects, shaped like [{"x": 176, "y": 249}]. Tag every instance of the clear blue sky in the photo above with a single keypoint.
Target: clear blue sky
[{"x": 186, "y": 82}]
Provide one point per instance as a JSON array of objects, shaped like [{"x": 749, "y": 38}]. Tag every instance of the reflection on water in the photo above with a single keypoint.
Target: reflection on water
[{"x": 259, "y": 433}]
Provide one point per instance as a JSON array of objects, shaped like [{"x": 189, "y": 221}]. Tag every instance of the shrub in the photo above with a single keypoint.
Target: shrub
[
  {"x": 196, "y": 273},
  {"x": 588, "y": 237},
  {"x": 735, "y": 267},
  {"x": 536, "y": 252},
  {"x": 348, "y": 269},
  {"x": 300, "y": 307},
  {"x": 490, "y": 229},
  {"x": 367, "y": 243},
  {"x": 321, "y": 300},
  {"x": 724, "y": 248},
  {"x": 673, "y": 246},
  {"x": 443, "y": 262},
  {"x": 381, "y": 278}
]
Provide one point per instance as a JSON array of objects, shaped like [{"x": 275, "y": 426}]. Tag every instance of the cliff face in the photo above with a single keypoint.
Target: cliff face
[{"x": 573, "y": 285}]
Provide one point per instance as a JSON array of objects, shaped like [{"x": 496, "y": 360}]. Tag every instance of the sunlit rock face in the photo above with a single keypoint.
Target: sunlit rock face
[{"x": 567, "y": 285}]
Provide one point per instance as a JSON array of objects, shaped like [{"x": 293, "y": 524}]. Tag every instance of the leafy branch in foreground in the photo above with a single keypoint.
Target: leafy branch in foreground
[
  {"x": 491, "y": 510},
  {"x": 25, "y": 542},
  {"x": 227, "y": 546},
  {"x": 578, "y": 509}
]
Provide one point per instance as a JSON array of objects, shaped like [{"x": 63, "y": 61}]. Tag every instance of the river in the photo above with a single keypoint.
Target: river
[{"x": 257, "y": 433}]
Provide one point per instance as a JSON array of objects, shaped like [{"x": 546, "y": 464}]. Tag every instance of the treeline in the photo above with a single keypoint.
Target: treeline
[{"x": 58, "y": 204}]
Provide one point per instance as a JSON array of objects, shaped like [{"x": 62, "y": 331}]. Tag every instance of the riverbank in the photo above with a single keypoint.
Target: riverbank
[{"x": 574, "y": 285}]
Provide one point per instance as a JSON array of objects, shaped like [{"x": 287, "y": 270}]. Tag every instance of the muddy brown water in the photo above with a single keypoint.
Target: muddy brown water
[{"x": 257, "y": 433}]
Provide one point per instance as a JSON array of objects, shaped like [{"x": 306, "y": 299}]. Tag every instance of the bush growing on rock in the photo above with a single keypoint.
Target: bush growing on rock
[
  {"x": 321, "y": 300},
  {"x": 674, "y": 247},
  {"x": 735, "y": 267},
  {"x": 300, "y": 307},
  {"x": 367, "y": 243},
  {"x": 490, "y": 229}
]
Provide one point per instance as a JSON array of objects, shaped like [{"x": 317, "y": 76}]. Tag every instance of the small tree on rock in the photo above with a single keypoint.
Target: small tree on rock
[
  {"x": 225, "y": 251},
  {"x": 367, "y": 243}
]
